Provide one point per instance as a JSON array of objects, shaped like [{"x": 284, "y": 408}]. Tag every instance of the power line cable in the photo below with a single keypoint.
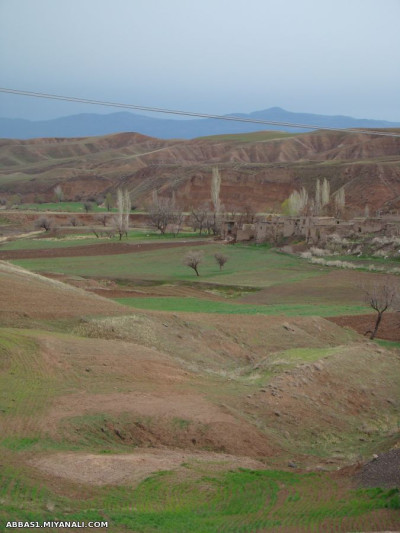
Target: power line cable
[{"x": 232, "y": 118}]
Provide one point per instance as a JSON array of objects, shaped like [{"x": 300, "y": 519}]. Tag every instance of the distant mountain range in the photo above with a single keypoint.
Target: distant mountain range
[{"x": 92, "y": 124}]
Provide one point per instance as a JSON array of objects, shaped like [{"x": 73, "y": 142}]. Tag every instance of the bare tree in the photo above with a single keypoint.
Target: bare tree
[
  {"x": 298, "y": 201},
  {"x": 215, "y": 189},
  {"x": 248, "y": 214},
  {"x": 199, "y": 218},
  {"x": 193, "y": 259},
  {"x": 44, "y": 223},
  {"x": 381, "y": 296},
  {"x": 161, "y": 212},
  {"x": 73, "y": 221},
  {"x": 340, "y": 201},
  {"x": 212, "y": 223},
  {"x": 177, "y": 220},
  {"x": 318, "y": 200},
  {"x": 88, "y": 206},
  {"x": 127, "y": 205},
  {"x": 121, "y": 220},
  {"x": 221, "y": 259},
  {"x": 102, "y": 218},
  {"x": 58, "y": 193},
  {"x": 325, "y": 193},
  {"x": 95, "y": 231}
]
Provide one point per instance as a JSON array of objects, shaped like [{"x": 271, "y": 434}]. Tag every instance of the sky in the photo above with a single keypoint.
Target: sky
[{"x": 214, "y": 56}]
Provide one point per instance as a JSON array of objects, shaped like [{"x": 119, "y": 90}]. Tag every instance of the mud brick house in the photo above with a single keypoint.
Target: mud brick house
[{"x": 312, "y": 229}]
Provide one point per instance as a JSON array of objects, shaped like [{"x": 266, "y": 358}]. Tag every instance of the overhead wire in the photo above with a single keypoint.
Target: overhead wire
[{"x": 232, "y": 118}]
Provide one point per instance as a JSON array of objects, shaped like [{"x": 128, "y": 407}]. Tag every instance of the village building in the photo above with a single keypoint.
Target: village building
[{"x": 313, "y": 229}]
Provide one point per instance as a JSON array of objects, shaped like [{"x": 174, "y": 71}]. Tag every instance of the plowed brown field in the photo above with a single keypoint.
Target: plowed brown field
[
  {"x": 389, "y": 328},
  {"x": 94, "y": 249}
]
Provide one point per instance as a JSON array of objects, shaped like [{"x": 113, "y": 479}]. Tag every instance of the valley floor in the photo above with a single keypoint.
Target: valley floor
[{"x": 133, "y": 392}]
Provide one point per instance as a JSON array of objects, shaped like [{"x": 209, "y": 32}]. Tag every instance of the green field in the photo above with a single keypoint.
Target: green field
[
  {"x": 195, "y": 305},
  {"x": 65, "y": 207},
  {"x": 248, "y": 268},
  {"x": 203, "y": 500},
  {"x": 86, "y": 238},
  {"x": 252, "y": 266}
]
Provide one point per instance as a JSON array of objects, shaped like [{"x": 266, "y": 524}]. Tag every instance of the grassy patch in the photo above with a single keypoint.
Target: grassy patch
[
  {"x": 388, "y": 344},
  {"x": 88, "y": 238},
  {"x": 53, "y": 242},
  {"x": 4, "y": 221},
  {"x": 247, "y": 266},
  {"x": 194, "y": 305},
  {"x": 69, "y": 207},
  {"x": 25, "y": 387},
  {"x": 204, "y": 500}
]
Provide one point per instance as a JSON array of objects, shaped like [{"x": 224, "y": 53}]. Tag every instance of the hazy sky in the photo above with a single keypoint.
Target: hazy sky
[{"x": 215, "y": 56}]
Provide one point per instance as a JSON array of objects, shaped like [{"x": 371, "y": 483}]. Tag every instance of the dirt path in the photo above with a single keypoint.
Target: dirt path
[
  {"x": 130, "y": 468},
  {"x": 113, "y": 248}
]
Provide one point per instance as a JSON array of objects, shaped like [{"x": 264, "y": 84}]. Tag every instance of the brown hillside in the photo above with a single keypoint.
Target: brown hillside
[
  {"x": 259, "y": 170},
  {"x": 28, "y": 295}
]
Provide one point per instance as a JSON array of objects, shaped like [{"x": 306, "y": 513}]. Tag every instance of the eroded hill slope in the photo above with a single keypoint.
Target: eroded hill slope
[{"x": 259, "y": 169}]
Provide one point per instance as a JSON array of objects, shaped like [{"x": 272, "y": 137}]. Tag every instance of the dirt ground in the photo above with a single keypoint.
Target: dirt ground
[
  {"x": 30, "y": 295},
  {"x": 338, "y": 286},
  {"x": 110, "y": 289},
  {"x": 121, "y": 469},
  {"x": 112, "y": 248},
  {"x": 389, "y": 328}
]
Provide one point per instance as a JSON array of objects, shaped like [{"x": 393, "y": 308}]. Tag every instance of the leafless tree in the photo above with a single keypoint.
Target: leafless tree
[
  {"x": 298, "y": 201},
  {"x": 121, "y": 220},
  {"x": 339, "y": 201},
  {"x": 73, "y": 221},
  {"x": 193, "y": 259},
  {"x": 212, "y": 223},
  {"x": 102, "y": 218},
  {"x": 325, "y": 193},
  {"x": 161, "y": 212},
  {"x": 95, "y": 231},
  {"x": 221, "y": 259},
  {"x": 88, "y": 206},
  {"x": 44, "y": 223},
  {"x": 215, "y": 189},
  {"x": 318, "y": 199},
  {"x": 248, "y": 215},
  {"x": 199, "y": 218},
  {"x": 58, "y": 193},
  {"x": 177, "y": 220},
  {"x": 381, "y": 296}
]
